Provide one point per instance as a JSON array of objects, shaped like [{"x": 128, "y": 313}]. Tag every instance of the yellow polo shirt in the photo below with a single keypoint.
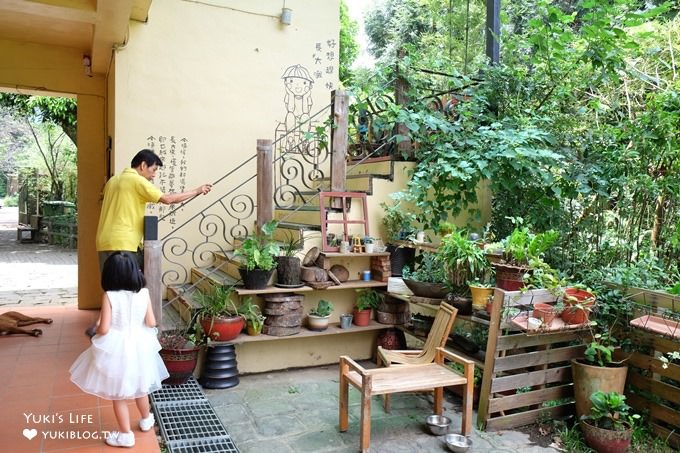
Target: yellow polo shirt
[{"x": 121, "y": 222}]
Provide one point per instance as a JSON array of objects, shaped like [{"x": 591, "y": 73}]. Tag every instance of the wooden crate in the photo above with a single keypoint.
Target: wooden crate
[{"x": 538, "y": 362}]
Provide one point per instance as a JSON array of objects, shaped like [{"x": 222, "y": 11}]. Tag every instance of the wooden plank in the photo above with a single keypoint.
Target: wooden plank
[
  {"x": 519, "y": 400},
  {"x": 265, "y": 182},
  {"x": 659, "y": 299},
  {"x": 349, "y": 284},
  {"x": 524, "y": 341},
  {"x": 528, "y": 417},
  {"x": 671, "y": 437},
  {"x": 339, "y": 142},
  {"x": 529, "y": 359},
  {"x": 656, "y": 411},
  {"x": 490, "y": 359},
  {"x": 333, "y": 329},
  {"x": 531, "y": 378},
  {"x": 654, "y": 365},
  {"x": 657, "y": 342},
  {"x": 661, "y": 389}
]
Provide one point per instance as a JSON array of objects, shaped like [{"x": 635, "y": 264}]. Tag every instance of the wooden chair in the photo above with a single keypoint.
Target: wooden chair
[{"x": 423, "y": 371}]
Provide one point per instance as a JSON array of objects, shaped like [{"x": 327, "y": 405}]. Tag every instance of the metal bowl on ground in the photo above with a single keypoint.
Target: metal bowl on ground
[
  {"x": 458, "y": 443},
  {"x": 438, "y": 424}
]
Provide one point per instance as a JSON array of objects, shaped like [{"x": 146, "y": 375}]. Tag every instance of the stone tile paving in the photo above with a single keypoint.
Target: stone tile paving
[{"x": 297, "y": 411}]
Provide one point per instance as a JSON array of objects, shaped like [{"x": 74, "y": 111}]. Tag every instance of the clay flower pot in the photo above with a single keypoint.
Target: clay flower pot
[{"x": 545, "y": 312}]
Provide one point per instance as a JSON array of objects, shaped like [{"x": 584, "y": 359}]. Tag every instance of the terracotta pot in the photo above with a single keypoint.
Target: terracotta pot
[
  {"x": 223, "y": 328},
  {"x": 545, "y": 312},
  {"x": 576, "y": 315},
  {"x": 180, "y": 364},
  {"x": 589, "y": 378},
  {"x": 606, "y": 440},
  {"x": 361, "y": 317}
]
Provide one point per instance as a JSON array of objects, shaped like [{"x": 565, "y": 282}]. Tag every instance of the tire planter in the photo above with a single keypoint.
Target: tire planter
[
  {"x": 288, "y": 270},
  {"x": 256, "y": 278},
  {"x": 589, "y": 379},
  {"x": 362, "y": 317},
  {"x": 180, "y": 364},
  {"x": 223, "y": 328},
  {"x": 221, "y": 369},
  {"x": 400, "y": 257},
  {"x": 606, "y": 440}
]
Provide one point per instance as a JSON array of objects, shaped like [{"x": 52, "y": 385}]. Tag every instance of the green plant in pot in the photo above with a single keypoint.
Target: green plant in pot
[
  {"x": 597, "y": 370},
  {"x": 609, "y": 426},
  {"x": 398, "y": 223},
  {"x": 289, "y": 264},
  {"x": 219, "y": 315},
  {"x": 429, "y": 277},
  {"x": 253, "y": 316},
  {"x": 319, "y": 315},
  {"x": 367, "y": 299},
  {"x": 520, "y": 248},
  {"x": 258, "y": 254},
  {"x": 463, "y": 258}
]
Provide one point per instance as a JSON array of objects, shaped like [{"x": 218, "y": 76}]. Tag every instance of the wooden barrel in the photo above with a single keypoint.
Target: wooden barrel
[{"x": 284, "y": 313}]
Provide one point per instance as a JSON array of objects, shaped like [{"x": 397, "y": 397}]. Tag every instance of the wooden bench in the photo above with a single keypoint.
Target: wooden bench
[
  {"x": 22, "y": 229},
  {"x": 404, "y": 378}
]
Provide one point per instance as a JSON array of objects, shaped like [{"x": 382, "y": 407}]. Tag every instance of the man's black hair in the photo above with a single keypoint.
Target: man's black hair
[{"x": 148, "y": 156}]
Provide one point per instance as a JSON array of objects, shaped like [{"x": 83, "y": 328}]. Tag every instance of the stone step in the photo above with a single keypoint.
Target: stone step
[{"x": 379, "y": 167}]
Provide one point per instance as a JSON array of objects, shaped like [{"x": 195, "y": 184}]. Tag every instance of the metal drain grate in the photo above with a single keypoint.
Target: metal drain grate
[
  {"x": 203, "y": 446},
  {"x": 194, "y": 421},
  {"x": 188, "y": 422},
  {"x": 190, "y": 391}
]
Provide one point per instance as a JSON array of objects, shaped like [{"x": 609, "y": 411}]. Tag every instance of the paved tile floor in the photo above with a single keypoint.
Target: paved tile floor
[{"x": 288, "y": 411}]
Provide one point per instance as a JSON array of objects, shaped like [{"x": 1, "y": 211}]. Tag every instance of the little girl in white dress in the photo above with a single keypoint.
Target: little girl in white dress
[{"x": 123, "y": 362}]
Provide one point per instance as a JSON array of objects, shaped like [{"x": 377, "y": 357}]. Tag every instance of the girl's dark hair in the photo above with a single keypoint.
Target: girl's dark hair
[{"x": 121, "y": 272}]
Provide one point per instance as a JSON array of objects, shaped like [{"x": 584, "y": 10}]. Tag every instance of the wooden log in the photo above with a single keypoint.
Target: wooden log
[
  {"x": 340, "y": 272},
  {"x": 313, "y": 274},
  {"x": 282, "y": 308},
  {"x": 286, "y": 297},
  {"x": 292, "y": 319},
  {"x": 265, "y": 182},
  {"x": 277, "y": 331}
]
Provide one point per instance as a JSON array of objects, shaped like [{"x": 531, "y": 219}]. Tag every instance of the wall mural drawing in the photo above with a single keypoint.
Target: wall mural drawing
[{"x": 299, "y": 156}]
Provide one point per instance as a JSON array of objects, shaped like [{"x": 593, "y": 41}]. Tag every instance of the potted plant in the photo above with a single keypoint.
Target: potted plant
[
  {"x": 179, "y": 351},
  {"x": 521, "y": 248},
  {"x": 429, "y": 277},
  {"x": 366, "y": 300},
  {"x": 258, "y": 253},
  {"x": 289, "y": 265},
  {"x": 464, "y": 259},
  {"x": 253, "y": 316},
  {"x": 609, "y": 426},
  {"x": 219, "y": 316},
  {"x": 398, "y": 223},
  {"x": 597, "y": 370},
  {"x": 368, "y": 244},
  {"x": 481, "y": 292},
  {"x": 319, "y": 316},
  {"x": 578, "y": 303}
]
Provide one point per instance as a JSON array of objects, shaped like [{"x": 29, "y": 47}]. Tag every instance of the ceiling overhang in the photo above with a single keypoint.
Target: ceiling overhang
[{"x": 93, "y": 27}]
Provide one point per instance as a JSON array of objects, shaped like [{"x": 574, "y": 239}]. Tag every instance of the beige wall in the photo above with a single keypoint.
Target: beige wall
[
  {"x": 52, "y": 71},
  {"x": 212, "y": 76}
]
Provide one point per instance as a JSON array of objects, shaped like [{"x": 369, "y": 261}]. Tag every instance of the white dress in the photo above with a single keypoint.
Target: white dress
[{"x": 124, "y": 363}]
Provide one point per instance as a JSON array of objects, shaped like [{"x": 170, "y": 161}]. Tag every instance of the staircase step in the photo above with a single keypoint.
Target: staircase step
[
  {"x": 181, "y": 299},
  {"x": 379, "y": 167},
  {"x": 302, "y": 217},
  {"x": 204, "y": 277}
]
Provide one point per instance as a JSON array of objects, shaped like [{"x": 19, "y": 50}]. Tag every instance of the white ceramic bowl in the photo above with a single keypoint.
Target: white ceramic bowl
[
  {"x": 458, "y": 443},
  {"x": 438, "y": 424}
]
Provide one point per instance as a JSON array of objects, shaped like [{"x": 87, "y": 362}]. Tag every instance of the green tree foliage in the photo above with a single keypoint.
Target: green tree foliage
[
  {"x": 349, "y": 48},
  {"x": 60, "y": 111}
]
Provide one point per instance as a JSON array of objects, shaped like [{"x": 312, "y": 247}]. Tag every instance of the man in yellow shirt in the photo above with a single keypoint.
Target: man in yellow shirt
[{"x": 121, "y": 222}]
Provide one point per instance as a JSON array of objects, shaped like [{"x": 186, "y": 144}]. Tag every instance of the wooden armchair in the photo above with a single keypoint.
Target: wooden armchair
[{"x": 408, "y": 377}]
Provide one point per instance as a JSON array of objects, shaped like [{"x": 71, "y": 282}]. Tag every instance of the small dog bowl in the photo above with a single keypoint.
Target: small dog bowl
[
  {"x": 438, "y": 424},
  {"x": 458, "y": 443}
]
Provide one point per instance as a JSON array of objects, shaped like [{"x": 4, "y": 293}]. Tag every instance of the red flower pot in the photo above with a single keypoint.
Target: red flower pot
[
  {"x": 545, "y": 312},
  {"x": 223, "y": 328},
  {"x": 362, "y": 317},
  {"x": 577, "y": 315},
  {"x": 180, "y": 364}
]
